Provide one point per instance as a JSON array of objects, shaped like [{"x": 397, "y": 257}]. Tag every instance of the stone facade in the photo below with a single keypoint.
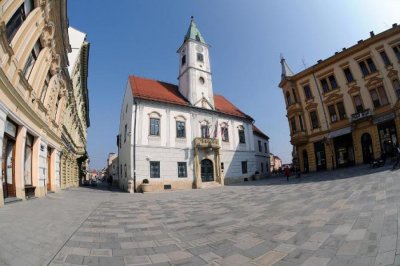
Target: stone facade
[
  {"x": 344, "y": 110},
  {"x": 34, "y": 91}
]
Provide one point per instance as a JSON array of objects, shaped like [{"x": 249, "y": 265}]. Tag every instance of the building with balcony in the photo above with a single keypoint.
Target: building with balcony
[
  {"x": 345, "y": 109},
  {"x": 184, "y": 136},
  {"x": 35, "y": 89}
]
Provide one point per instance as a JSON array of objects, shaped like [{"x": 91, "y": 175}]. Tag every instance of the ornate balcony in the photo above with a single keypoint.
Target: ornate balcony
[
  {"x": 361, "y": 115},
  {"x": 299, "y": 138}
]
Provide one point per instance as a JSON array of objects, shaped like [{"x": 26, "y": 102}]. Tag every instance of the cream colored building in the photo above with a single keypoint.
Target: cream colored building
[
  {"x": 345, "y": 110},
  {"x": 35, "y": 88}
]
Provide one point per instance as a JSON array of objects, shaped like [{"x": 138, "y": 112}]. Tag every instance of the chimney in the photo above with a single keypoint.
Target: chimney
[
  {"x": 394, "y": 25},
  {"x": 371, "y": 33}
]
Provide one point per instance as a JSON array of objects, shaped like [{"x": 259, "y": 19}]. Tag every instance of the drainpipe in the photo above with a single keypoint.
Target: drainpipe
[
  {"x": 326, "y": 118},
  {"x": 134, "y": 146}
]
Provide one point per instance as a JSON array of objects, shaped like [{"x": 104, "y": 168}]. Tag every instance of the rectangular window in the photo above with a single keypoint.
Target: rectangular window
[
  {"x": 332, "y": 81},
  {"x": 45, "y": 87},
  {"x": 314, "y": 119},
  {"x": 294, "y": 95},
  {"x": 396, "y": 86},
  {"x": 154, "y": 127},
  {"x": 324, "y": 84},
  {"x": 259, "y": 146},
  {"x": 262, "y": 168},
  {"x": 348, "y": 75},
  {"x": 244, "y": 167},
  {"x": 125, "y": 132},
  {"x": 182, "y": 169},
  {"x": 18, "y": 18},
  {"x": 332, "y": 113},
  {"x": 30, "y": 62},
  {"x": 205, "y": 133},
  {"x": 385, "y": 58},
  {"x": 242, "y": 138},
  {"x": 180, "y": 129},
  {"x": 183, "y": 60},
  {"x": 358, "y": 103},
  {"x": 265, "y": 147},
  {"x": 225, "y": 134},
  {"x": 375, "y": 98},
  {"x": 293, "y": 124},
  {"x": 383, "y": 96},
  {"x": 200, "y": 57},
  {"x": 341, "y": 110},
  {"x": 396, "y": 50},
  {"x": 154, "y": 169},
  {"x": 307, "y": 92},
  {"x": 367, "y": 66},
  {"x": 301, "y": 123}
]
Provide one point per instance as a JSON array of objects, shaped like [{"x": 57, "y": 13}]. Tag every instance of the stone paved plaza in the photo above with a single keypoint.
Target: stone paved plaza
[{"x": 346, "y": 217}]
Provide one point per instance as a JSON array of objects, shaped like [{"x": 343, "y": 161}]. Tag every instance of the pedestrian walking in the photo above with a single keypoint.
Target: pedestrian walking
[
  {"x": 287, "y": 173},
  {"x": 397, "y": 151}
]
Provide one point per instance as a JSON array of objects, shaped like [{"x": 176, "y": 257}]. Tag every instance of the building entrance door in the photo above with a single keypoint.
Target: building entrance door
[
  {"x": 48, "y": 169},
  {"x": 366, "y": 144},
  {"x": 320, "y": 158},
  {"x": 8, "y": 177},
  {"x": 388, "y": 137},
  {"x": 207, "y": 171},
  {"x": 344, "y": 150}
]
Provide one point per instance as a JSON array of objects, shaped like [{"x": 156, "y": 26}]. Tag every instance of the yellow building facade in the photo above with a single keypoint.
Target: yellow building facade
[
  {"x": 35, "y": 90},
  {"x": 345, "y": 110}
]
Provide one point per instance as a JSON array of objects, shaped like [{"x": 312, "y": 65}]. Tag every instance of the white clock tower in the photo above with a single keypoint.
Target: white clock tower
[{"x": 195, "y": 79}]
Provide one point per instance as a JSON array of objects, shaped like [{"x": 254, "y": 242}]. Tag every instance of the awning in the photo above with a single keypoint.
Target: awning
[{"x": 339, "y": 132}]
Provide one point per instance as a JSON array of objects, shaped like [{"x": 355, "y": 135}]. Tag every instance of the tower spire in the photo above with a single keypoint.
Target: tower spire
[
  {"x": 193, "y": 32},
  {"x": 286, "y": 71}
]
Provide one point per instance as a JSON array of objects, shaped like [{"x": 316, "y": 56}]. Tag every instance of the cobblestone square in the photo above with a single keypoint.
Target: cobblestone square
[{"x": 344, "y": 217}]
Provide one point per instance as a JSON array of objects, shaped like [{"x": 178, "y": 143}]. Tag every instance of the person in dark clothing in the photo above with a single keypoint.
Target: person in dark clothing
[{"x": 287, "y": 173}]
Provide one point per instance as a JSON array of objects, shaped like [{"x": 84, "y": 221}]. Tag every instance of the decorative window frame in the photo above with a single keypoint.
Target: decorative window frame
[{"x": 155, "y": 115}]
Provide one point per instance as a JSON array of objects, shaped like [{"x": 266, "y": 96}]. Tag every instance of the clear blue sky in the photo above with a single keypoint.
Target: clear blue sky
[{"x": 141, "y": 37}]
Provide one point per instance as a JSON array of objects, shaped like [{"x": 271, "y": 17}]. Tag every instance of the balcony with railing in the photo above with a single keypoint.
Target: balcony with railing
[{"x": 361, "y": 115}]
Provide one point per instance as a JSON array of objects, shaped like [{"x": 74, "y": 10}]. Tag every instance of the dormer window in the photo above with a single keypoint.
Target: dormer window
[{"x": 200, "y": 57}]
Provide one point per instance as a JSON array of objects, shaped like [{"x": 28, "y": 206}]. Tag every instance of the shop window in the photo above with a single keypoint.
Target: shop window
[
  {"x": 307, "y": 92},
  {"x": 348, "y": 74},
  {"x": 154, "y": 169},
  {"x": 182, "y": 169},
  {"x": 28, "y": 160}
]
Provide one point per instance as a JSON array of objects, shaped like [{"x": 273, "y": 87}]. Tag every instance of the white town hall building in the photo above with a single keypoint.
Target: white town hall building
[{"x": 185, "y": 136}]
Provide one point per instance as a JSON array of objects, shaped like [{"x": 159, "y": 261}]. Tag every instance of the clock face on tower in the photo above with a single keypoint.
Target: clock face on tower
[{"x": 199, "y": 48}]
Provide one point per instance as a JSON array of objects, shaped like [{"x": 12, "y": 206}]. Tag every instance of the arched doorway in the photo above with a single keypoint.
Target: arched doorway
[
  {"x": 366, "y": 144},
  {"x": 207, "y": 171},
  {"x": 305, "y": 161}
]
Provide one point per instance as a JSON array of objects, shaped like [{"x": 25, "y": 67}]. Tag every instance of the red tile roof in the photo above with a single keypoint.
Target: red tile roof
[
  {"x": 154, "y": 90},
  {"x": 258, "y": 132}
]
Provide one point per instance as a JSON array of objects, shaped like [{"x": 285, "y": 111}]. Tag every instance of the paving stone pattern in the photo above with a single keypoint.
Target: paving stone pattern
[{"x": 345, "y": 217}]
